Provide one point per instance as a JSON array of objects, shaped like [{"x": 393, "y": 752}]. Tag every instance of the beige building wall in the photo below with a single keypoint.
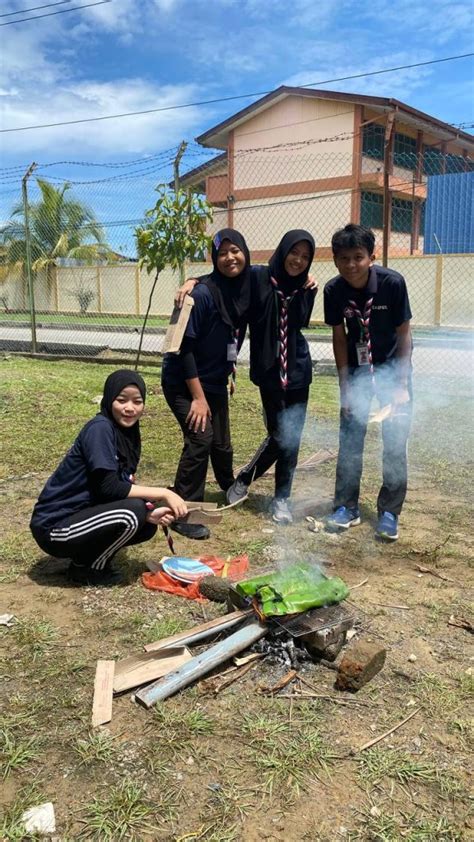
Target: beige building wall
[
  {"x": 293, "y": 120},
  {"x": 263, "y": 222}
]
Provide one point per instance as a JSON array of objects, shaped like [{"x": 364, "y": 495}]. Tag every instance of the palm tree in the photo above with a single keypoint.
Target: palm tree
[{"x": 59, "y": 227}]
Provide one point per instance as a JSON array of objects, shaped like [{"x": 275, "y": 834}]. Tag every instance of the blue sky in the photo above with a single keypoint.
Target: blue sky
[{"x": 129, "y": 55}]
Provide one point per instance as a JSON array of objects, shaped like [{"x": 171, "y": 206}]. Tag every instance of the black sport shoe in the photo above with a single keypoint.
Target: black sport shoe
[
  {"x": 196, "y": 531},
  {"x": 80, "y": 574}
]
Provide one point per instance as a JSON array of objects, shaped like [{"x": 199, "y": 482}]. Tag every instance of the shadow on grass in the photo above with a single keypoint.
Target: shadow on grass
[{"x": 51, "y": 572}]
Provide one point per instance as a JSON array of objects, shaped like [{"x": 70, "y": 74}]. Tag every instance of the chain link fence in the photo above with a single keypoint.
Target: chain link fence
[{"x": 90, "y": 295}]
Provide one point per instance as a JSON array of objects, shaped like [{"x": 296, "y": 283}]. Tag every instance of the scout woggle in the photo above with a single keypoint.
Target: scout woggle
[{"x": 366, "y": 346}]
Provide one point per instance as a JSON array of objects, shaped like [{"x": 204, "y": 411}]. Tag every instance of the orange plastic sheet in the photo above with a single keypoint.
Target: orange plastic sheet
[{"x": 233, "y": 569}]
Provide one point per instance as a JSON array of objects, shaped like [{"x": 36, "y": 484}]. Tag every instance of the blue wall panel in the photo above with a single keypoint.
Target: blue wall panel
[{"x": 449, "y": 214}]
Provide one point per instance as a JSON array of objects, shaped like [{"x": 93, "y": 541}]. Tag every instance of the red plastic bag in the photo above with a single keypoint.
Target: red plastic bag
[{"x": 233, "y": 568}]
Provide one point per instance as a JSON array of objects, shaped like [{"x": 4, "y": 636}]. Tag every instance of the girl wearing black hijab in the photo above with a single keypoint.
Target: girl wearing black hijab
[
  {"x": 280, "y": 364},
  {"x": 90, "y": 507},
  {"x": 195, "y": 380}
]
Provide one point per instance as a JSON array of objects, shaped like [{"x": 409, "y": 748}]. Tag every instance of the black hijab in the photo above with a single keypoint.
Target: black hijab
[
  {"x": 128, "y": 440},
  {"x": 230, "y": 295},
  {"x": 286, "y": 282}
]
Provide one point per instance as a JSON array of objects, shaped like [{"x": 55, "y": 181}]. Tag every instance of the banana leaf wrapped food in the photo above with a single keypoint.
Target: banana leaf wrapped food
[{"x": 293, "y": 590}]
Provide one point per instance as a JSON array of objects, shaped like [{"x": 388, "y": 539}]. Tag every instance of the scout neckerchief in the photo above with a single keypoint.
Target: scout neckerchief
[
  {"x": 364, "y": 322},
  {"x": 233, "y": 373},
  {"x": 283, "y": 331}
]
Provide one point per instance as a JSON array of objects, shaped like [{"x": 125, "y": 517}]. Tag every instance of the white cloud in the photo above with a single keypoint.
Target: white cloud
[
  {"x": 135, "y": 135},
  {"x": 399, "y": 84}
]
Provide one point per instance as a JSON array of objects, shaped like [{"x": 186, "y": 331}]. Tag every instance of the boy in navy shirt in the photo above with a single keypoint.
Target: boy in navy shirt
[{"x": 368, "y": 308}]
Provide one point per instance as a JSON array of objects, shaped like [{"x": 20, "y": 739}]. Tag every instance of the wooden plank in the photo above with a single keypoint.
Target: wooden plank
[
  {"x": 202, "y": 631},
  {"x": 103, "y": 691},
  {"x": 148, "y": 666},
  {"x": 177, "y": 326},
  {"x": 203, "y": 516},
  {"x": 201, "y": 505},
  {"x": 201, "y": 664}
]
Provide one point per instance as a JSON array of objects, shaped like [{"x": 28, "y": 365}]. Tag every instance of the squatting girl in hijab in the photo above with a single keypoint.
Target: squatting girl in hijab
[{"x": 91, "y": 506}]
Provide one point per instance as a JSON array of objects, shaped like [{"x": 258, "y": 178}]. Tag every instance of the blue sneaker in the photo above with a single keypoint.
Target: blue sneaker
[
  {"x": 387, "y": 526},
  {"x": 343, "y": 518}
]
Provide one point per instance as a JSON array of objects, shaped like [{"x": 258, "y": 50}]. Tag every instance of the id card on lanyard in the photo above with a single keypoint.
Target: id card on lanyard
[{"x": 362, "y": 352}]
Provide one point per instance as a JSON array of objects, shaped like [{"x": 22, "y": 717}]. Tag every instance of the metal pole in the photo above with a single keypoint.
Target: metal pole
[
  {"x": 387, "y": 199},
  {"x": 201, "y": 664},
  {"x": 179, "y": 155},
  {"x": 29, "y": 272}
]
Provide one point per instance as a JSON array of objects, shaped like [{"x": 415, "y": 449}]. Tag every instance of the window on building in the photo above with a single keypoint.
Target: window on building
[
  {"x": 404, "y": 151},
  {"x": 373, "y": 141},
  {"x": 402, "y": 216},
  {"x": 433, "y": 160},
  {"x": 371, "y": 212},
  {"x": 371, "y": 209}
]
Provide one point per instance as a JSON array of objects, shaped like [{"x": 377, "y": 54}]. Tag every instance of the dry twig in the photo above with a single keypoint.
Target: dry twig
[
  {"x": 432, "y": 572},
  {"x": 387, "y": 733},
  {"x": 284, "y": 681}
]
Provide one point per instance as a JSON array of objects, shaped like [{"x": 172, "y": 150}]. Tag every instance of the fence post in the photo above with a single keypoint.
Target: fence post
[
  {"x": 387, "y": 196},
  {"x": 137, "y": 289},
  {"x": 29, "y": 272},
  {"x": 55, "y": 288},
  {"x": 438, "y": 289},
  {"x": 179, "y": 155},
  {"x": 99, "y": 290}
]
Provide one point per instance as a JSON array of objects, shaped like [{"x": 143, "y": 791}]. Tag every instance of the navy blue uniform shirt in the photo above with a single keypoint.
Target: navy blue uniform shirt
[
  {"x": 68, "y": 490},
  {"x": 390, "y": 308},
  {"x": 212, "y": 337}
]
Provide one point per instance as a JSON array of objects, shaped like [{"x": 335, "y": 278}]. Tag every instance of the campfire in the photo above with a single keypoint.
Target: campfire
[{"x": 289, "y": 617}]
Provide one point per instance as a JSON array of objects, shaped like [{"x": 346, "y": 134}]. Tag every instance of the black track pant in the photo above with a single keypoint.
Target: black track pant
[
  {"x": 92, "y": 536},
  {"x": 199, "y": 446},
  {"x": 352, "y": 430},
  {"x": 285, "y": 413}
]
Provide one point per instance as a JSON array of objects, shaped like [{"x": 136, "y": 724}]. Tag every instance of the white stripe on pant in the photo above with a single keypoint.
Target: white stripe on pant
[{"x": 119, "y": 516}]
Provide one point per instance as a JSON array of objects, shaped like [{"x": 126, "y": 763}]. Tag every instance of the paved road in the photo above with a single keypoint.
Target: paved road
[{"x": 430, "y": 357}]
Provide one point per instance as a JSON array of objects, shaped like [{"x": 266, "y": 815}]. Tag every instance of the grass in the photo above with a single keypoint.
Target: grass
[
  {"x": 17, "y": 752},
  {"x": 35, "y": 635},
  {"x": 377, "y": 764},
  {"x": 285, "y": 754},
  {"x": 124, "y": 811},
  {"x": 166, "y": 627},
  {"x": 98, "y": 747}
]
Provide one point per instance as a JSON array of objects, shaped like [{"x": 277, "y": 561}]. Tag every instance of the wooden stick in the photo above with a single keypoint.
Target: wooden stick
[
  {"x": 201, "y": 632},
  {"x": 280, "y": 684},
  {"x": 238, "y": 673},
  {"x": 432, "y": 572},
  {"x": 461, "y": 623},
  {"x": 353, "y": 587},
  {"x": 348, "y": 702},
  {"x": 389, "y": 605},
  {"x": 387, "y": 733}
]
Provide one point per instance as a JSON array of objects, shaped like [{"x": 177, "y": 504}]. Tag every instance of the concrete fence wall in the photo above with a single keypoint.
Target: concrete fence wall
[{"x": 440, "y": 288}]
